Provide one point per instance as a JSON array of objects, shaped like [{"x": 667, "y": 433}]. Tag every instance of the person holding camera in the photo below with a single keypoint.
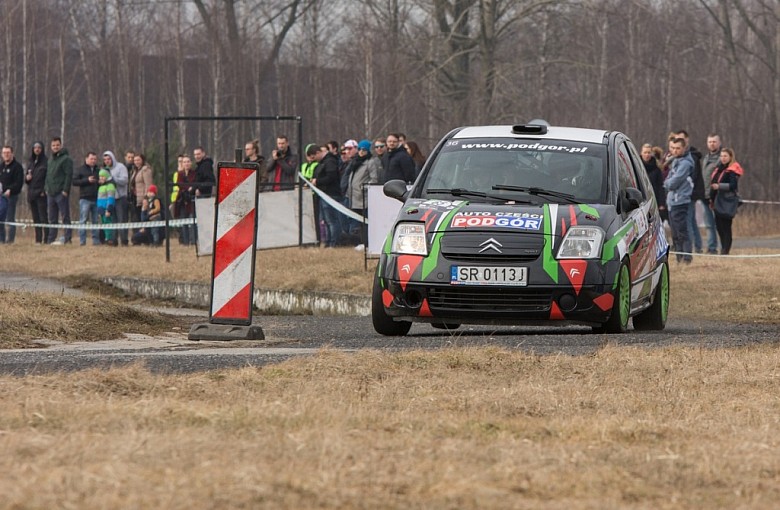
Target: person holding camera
[{"x": 283, "y": 165}]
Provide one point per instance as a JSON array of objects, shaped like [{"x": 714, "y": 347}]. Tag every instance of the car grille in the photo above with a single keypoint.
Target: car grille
[
  {"x": 488, "y": 300},
  {"x": 514, "y": 247}
]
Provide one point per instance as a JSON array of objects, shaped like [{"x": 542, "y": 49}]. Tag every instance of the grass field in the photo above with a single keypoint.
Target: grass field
[
  {"x": 457, "y": 428},
  {"x": 676, "y": 427}
]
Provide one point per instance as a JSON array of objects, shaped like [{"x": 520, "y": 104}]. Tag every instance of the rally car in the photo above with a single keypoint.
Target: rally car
[{"x": 525, "y": 224}]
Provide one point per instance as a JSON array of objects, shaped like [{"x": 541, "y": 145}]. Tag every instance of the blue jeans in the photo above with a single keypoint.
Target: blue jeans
[
  {"x": 332, "y": 220},
  {"x": 10, "y": 216},
  {"x": 58, "y": 205},
  {"x": 88, "y": 208},
  {"x": 693, "y": 227},
  {"x": 712, "y": 234},
  {"x": 678, "y": 220},
  {"x": 189, "y": 233}
]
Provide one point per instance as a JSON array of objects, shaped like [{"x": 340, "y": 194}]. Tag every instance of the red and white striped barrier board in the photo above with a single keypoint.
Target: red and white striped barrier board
[{"x": 235, "y": 237}]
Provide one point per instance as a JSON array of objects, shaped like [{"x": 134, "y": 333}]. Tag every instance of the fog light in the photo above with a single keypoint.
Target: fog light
[{"x": 567, "y": 302}]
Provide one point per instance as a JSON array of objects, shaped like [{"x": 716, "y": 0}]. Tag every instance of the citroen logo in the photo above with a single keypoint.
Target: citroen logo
[
  {"x": 574, "y": 272},
  {"x": 491, "y": 244}
]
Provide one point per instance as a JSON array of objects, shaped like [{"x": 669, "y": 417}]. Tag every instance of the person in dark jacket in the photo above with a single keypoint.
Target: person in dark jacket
[
  {"x": 282, "y": 167},
  {"x": 725, "y": 178},
  {"x": 204, "y": 173},
  {"x": 656, "y": 178},
  {"x": 86, "y": 178},
  {"x": 400, "y": 164},
  {"x": 36, "y": 196},
  {"x": 59, "y": 175},
  {"x": 326, "y": 178},
  {"x": 11, "y": 182},
  {"x": 698, "y": 191}
]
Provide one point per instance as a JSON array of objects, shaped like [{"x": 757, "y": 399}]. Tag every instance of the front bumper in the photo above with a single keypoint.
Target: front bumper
[{"x": 496, "y": 304}]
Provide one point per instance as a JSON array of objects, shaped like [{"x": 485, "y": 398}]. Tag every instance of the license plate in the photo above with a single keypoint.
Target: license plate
[{"x": 488, "y": 275}]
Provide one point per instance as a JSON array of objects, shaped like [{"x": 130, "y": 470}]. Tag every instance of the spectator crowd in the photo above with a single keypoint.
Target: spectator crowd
[
  {"x": 113, "y": 192},
  {"x": 685, "y": 179}
]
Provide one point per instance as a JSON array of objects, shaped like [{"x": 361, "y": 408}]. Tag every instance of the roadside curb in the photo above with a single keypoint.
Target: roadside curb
[{"x": 269, "y": 301}]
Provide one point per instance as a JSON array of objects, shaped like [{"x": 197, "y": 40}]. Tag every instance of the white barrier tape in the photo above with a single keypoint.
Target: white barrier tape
[
  {"x": 334, "y": 204},
  {"x": 760, "y": 202},
  {"x": 104, "y": 226},
  {"x": 716, "y": 255}
]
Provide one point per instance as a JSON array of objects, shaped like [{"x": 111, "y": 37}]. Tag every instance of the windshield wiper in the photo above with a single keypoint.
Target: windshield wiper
[
  {"x": 462, "y": 192},
  {"x": 532, "y": 190}
]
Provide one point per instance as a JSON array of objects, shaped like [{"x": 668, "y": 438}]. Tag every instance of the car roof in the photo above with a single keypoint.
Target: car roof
[{"x": 553, "y": 133}]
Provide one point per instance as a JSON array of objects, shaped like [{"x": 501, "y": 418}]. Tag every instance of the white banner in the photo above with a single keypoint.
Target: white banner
[
  {"x": 277, "y": 221},
  {"x": 382, "y": 212}
]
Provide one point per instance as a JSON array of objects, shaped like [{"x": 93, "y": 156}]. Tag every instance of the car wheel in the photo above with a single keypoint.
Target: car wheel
[
  {"x": 449, "y": 326},
  {"x": 654, "y": 317},
  {"x": 621, "y": 308},
  {"x": 383, "y": 323}
]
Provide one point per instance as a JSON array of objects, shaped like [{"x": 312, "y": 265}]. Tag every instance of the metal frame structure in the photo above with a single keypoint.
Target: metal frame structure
[{"x": 168, "y": 180}]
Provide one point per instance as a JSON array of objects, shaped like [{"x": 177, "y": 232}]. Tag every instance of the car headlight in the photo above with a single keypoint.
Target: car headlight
[
  {"x": 409, "y": 239},
  {"x": 581, "y": 243}
]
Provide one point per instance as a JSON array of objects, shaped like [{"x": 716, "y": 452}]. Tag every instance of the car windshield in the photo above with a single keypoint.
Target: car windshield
[{"x": 550, "y": 170}]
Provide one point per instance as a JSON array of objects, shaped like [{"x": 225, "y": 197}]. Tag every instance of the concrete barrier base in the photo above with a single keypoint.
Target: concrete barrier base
[{"x": 225, "y": 332}]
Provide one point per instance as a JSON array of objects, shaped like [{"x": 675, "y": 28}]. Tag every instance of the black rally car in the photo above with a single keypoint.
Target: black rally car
[{"x": 525, "y": 224}]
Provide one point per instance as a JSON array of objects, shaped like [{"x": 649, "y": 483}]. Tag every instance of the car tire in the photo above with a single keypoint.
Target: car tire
[
  {"x": 654, "y": 317},
  {"x": 449, "y": 326},
  {"x": 621, "y": 308},
  {"x": 383, "y": 323}
]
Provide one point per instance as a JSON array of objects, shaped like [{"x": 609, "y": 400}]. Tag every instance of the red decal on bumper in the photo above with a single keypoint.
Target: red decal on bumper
[
  {"x": 387, "y": 298},
  {"x": 425, "y": 310},
  {"x": 575, "y": 271},
  {"x": 555, "y": 313},
  {"x": 605, "y": 301}
]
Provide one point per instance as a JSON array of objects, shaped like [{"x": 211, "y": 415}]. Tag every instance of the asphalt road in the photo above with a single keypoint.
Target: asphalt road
[{"x": 295, "y": 336}]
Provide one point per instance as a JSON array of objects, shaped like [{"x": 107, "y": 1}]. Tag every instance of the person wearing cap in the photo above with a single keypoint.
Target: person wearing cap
[
  {"x": 365, "y": 170},
  {"x": 348, "y": 153},
  {"x": 86, "y": 179},
  {"x": 151, "y": 210}
]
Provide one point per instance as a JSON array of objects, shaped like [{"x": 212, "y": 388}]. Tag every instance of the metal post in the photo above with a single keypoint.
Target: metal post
[
  {"x": 301, "y": 157},
  {"x": 167, "y": 195}
]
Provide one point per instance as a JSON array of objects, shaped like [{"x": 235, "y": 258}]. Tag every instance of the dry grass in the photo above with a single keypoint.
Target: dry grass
[
  {"x": 461, "y": 428},
  {"x": 757, "y": 220},
  {"x": 727, "y": 289},
  {"x": 28, "y": 317},
  {"x": 339, "y": 270}
]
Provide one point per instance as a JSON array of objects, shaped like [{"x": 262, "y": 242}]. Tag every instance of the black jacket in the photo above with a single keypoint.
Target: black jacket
[
  {"x": 36, "y": 167},
  {"x": 400, "y": 165},
  {"x": 327, "y": 175},
  {"x": 657, "y": 180},
  {"x": 204, "y": 174},
  {"x": 281, "y": 172},
  {"x": 12, "y": 177},
  {"x": 87, "y": 190}
]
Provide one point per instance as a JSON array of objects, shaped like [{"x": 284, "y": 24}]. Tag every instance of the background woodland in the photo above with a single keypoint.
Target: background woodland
[{"x": 105, "y": 73}]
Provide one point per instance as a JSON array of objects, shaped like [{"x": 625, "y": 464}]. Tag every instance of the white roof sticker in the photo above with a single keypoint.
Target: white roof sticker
[{"x": 553, "y": 132}]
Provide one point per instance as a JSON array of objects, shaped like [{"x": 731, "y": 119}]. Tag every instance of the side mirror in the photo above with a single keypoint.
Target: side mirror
[
  {"x": 395, "y": 189},
  {"x": 631, "y": 200}
]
